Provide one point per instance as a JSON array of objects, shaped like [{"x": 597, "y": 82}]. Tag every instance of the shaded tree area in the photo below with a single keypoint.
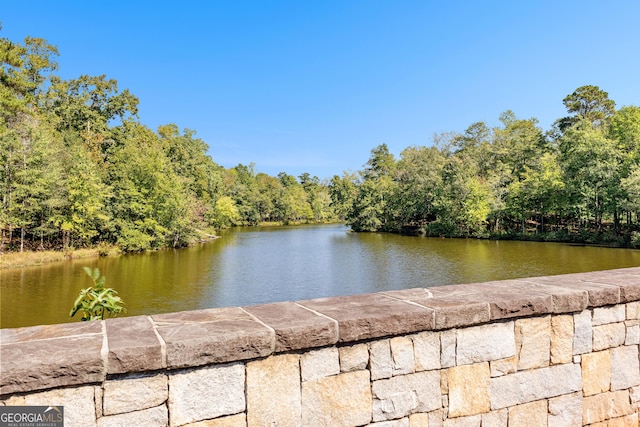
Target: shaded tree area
[
  {"x": 78, "y": 168},
  {"x": 579, "y": 181}
]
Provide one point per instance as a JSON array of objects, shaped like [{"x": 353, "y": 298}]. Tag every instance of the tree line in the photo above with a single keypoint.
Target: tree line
[
  {"x": 578, "y": 181},
  {"x": 78, "y": 168}
]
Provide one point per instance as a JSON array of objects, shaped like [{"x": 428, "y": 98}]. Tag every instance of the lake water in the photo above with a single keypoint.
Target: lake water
[{"x": 260, "y": 265}]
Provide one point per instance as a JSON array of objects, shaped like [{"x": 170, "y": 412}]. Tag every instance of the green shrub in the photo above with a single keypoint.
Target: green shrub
[{"x": 96, "y": 301}]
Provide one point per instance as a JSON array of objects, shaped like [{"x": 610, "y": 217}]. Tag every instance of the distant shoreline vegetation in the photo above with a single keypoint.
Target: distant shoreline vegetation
[{"x": 78, "y": 170}]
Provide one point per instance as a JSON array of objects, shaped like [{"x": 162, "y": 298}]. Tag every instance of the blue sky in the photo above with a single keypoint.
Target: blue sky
[{"x": 313, "y": 86}]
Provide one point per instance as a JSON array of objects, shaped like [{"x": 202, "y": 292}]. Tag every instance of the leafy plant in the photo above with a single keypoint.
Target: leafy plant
[{"x": 96, "y": 301}]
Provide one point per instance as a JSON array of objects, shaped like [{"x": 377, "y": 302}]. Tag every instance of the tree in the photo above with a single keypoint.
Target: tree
[{"x": 589, "y": 103}]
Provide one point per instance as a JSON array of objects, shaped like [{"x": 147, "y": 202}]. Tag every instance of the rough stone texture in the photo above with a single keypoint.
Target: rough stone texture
[
  {"x": 406, "y": 394},
  {"x": 295, "y": 326},
  {"x": 220, "y": 335},
  {"x": 633, "y": 310},
  {"x": 596, "y": 372},
  {"x": 496, "y": 418},
  {"x": 599, "y": 294},
  {"x": 273, "y": 391},
  {"x": 604, "y": 315},
  {"x": 321, "y": 363},
  {"x": 368, "y": 316},
  {"x": 608, "y": 336},
  {"x": 528, "y": 414},
  {"x": 627, "y": 281},
  {"x": 380, "y": 360},
  {"x": 484, "y": 343},
  {"x": 402, "y": 355},
  {"x": 437, "y": 417},
  {"x": 504, "y": 303},
  {"x": 238, "y": 420},
  {"x": 426, "y": 348},
  {"x": 533, "y": 342},
  {"x": 605, "y": 406},
  {"x": 472, "y": 421},
  {"x": 634, "y": 394},
  {"x": 134, "y": 394},
  {"x": 448, "y": 346},
  {"x": 133, "y": 345},
  {"x": 468, "y": 390},
  {"x": 583, "y": 333},
  {"x": 561, "y": 339},
  {"x": 626, "y": 421},
  {"x": 625, "y": 369},
  {"x": 354, "y": 357},
  {"x": 503, "y": 366},
  {"x": 79, "y": 405},
  {"x": 157, "y": 416},
  {"x": 565, "y": 411},
  {"x": 396, "y": 423},
  {"x": 340, "y": 400},
  {"x": 536, "y": 384},
  {"x": 48, "y": 363},
  {"x": 419, "y": 420},
  {"x": 222, "y": 384},
  {"x": 633, "y": 332}
]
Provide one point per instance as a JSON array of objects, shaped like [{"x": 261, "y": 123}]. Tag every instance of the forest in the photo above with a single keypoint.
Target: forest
[{"x": 79, "y": 169}]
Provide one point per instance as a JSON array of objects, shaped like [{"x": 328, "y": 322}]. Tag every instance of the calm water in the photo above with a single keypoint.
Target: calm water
[{"x": 260, "y": 265}]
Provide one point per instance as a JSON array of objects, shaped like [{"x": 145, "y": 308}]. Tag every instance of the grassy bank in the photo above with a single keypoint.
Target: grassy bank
[{"x": 35, "y": 258}]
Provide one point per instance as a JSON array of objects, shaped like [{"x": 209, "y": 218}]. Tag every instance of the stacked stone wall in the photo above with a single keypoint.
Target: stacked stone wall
[{"x": 548, "y": 351}]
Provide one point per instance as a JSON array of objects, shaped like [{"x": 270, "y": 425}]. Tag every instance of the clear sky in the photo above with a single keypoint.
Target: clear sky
[{"x": 313, "y": 86}]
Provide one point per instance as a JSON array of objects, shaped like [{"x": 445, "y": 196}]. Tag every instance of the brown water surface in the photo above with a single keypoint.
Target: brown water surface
[{"x": 260, "y": 265}]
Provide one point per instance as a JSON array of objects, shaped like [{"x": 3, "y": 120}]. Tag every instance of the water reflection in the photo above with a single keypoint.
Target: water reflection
[{"x": 261, "y": 265}]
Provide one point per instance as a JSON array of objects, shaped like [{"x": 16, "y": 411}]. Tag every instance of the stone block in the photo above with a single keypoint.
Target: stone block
[
  {"x": 634, "y": 394},
  {"x": 612, "y": 314},
  {"x": 528, "y": 414},
  {"x": 273, "y": 391},
  {"x": 628, "y": 283},
  {"x": 426, "y": 348},
  {"x": 339, "y": 400},
  {"x": 468, "y": 390},
  {"x": 625, "y": 368},
  {"x": 134, "y": 345},
  {"x": 512, "y": 298},
  {"x": 457, "y": 311},
  {"x": 238, "y": 420},
  {"x": 402, "y": 356},
  {"x": 380, "y": 364},
  {"x": 566, "y": 410},
  {"x": 633, "y": 332},
  {"x": 599, "y": 294},
  {"x": 217, "y": 335},
  {"x": 224, "y": 386},
  {"x": 536, "y": 384},
  {"x": 503, "y": 366},
  {"x": 485, "y": 343},
  {"x": 626, "y": 421},
  {"x": 583, "y": 333},
  {"x": 471, "y": 421},
  {"x": 608, "y": 336},
  {"x": 404, "y": 395},
  {"x": 565, "y": 300},
  {"x": 448, "y": 348},
  {"x": 395, "y": 423},
  {"x": 533, "y": 342},
  {"x": 419, "y": 420},
  {"x": 596, "y": 372},
  {"x": 561, "y": 339},
  {"x": 79, "y": 404},
  {"x": 316, "y": 364},
  {"x": 495, "y": 418},
  {"x": 296, "y": 327},
  {"x": 437, "y": 417},
  {"x": 157, "y": 416},
  {"x": 354, "y": 357},
  {"x": 604, "y": 406},
  {"x": 134, "y": 393},
  {"x": 47, "y": 363},
  {"x": 367, "y": 316},
  {"x": 633, "y": 310}
]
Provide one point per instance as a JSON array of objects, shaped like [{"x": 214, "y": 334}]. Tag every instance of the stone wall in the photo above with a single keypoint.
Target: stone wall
[{"x": 546, "y": 351}]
